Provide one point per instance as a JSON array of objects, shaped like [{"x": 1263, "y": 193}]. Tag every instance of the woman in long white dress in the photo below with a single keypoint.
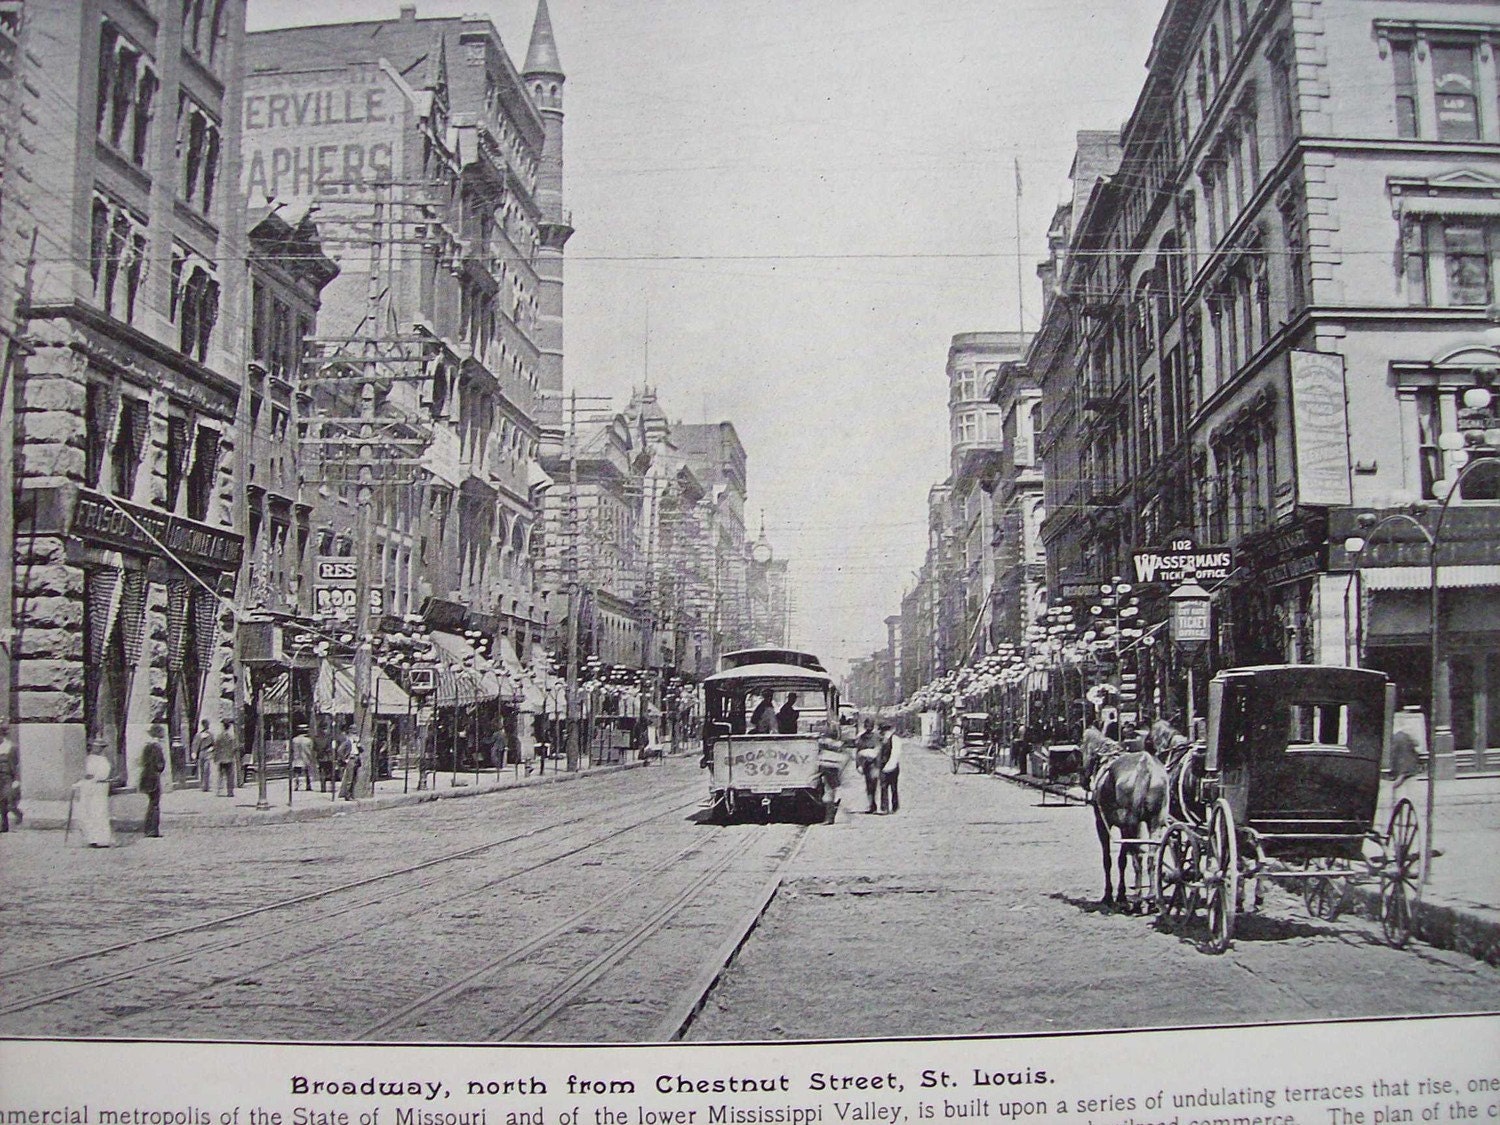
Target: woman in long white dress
[{"x": 93, "y": 799}]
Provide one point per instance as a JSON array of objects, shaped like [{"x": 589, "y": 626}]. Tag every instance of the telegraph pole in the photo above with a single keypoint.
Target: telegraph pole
[
  {"x": 364, "y": 526},
  {"x": 575, "y": 602}
]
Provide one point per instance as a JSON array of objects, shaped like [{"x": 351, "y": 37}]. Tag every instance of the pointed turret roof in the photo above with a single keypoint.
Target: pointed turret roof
[{"x": 541, "y": 56}]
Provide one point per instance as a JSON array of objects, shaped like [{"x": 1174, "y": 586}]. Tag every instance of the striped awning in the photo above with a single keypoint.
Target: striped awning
[
  {"x": 335, "y": 691},
  {"x": 1462, "y": 577},
  {"x": 276, "y": 696}
]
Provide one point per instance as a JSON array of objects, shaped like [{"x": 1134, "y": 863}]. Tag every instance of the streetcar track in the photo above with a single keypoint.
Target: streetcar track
[
  {"x": 681, "y": 1015},
  {"x": 541, "y": 1011},
  {"x": 521, "y": 952},
  {"x": 259, "y": 936}
]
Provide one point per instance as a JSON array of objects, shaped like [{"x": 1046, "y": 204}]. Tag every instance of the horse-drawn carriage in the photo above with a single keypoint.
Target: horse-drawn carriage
[
  {"x": 1287, "y": 788},
  {"x": 976, "y": 743}
]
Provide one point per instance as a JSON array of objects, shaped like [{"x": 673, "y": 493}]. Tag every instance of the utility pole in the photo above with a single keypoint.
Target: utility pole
[
  {"x": 575, "y": 601},
  {"x": 364, "y": 525}
]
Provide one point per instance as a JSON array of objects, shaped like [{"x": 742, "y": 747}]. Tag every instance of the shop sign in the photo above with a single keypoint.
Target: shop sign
[
  {"x": 1292, "y": 552},
  {"x": 1320, "y": 428},
  {"x": 1192, "y": 621},
  {"x": 150, "y": 531},
  {"x": 336, "y": 589},
  {"x": 1170, "y": 564}
]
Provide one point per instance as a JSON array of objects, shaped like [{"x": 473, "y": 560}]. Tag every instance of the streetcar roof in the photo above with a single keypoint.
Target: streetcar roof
[
  {"x": 770, "y": 676},
  {"x": 751, "y": 657}
]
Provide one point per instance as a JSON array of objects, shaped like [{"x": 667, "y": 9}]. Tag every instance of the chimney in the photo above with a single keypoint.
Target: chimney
[{"x": 408, "y": 13}]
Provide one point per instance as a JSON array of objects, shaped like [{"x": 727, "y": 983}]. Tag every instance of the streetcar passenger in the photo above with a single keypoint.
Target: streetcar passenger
[{"x": 763, "y": 720}]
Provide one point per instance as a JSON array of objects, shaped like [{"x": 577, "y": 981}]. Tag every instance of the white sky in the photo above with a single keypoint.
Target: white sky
[{"x": 841, "y": 174}]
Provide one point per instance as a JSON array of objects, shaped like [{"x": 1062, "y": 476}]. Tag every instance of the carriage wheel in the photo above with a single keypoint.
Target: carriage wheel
[
  {"x": 1399, "y": 887},
  {"x": 1175, "y": 884},
  {"x": 1221, "y": 876},
  {"x": 1326, "y": 896}
]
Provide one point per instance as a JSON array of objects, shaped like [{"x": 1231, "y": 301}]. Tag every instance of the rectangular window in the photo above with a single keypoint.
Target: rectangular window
[
  {"x": 198, "y": 144},
  {"x": 1456, "y": 90},
  {"x": 1414, "y": 262},
  {"x": 129, "y": 445},
  {"x": 194, "y": 304},
  {"x": 127, "y": 86},
  {"x": 117, "y": 256},
  {"x": 1468, "y": 264},
  {"x": 1406, "y": 90},
  {"x": 200, "y": 477}
]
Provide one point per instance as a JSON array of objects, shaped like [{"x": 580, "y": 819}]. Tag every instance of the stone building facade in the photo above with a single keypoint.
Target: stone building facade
[
  {"x": 126, "y": 545},
  {"x": 1278, "y": 308}
]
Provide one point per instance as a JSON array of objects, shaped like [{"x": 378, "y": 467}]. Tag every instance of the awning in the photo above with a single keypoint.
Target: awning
[
  {"x": 472, "y": 682},
  {"x": 1460, "y": 577},
  {"x": 335, "y": 691},
  {"x": 275, "y": 697}
]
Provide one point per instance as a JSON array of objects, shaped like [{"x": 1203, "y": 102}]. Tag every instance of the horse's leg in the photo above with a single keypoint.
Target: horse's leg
[
  {"x": 1121, "y": 894},
  {"x": 1103, "y": 830}
]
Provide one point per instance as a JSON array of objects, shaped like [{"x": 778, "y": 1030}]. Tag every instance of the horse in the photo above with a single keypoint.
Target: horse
[
  {"x": 1184, "y": 765},
  {"x": 1128, "y": 791}
]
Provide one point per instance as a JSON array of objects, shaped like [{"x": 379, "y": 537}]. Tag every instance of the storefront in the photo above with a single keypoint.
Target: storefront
[{"x": 153, "y": 625}]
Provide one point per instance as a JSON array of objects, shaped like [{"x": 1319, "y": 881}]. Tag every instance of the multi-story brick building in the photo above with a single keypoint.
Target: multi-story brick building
[
  {"x": 976, "y": 443},
  {"x": 127, "y": 403},
  {"x": 1278, "y": 304},
  {"x": 435, "y": 166}
]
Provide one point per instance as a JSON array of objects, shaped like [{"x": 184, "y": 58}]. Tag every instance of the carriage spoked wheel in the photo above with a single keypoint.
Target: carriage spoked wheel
[
  {"x": 1326, "y": 896},
  {"x": 1176, "y": 877},
  {"x": 1221, "y": 876},
  {"x": 1400, "y": 878}
]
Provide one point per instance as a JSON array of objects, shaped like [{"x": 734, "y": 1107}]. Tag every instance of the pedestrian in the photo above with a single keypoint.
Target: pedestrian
[
  {"x": 867, "y": 758},
  {"x": 326, "y": 746},
  {"x": 890, "y": 770},
  {"x": 91, "y": 795},
  {"x": 203, "y": 755},
  {"x": 10, "y": 779},
  {"x": 351, "y": 764},
  {"x": 831, "y": 762},
  {"x": 153, "y": 765},
  {"x": 763, "y": 720},
  {"x": 227, "y": 760},
  {"x": 304, "y": 758},
  {"x": 786, "y": 718}
]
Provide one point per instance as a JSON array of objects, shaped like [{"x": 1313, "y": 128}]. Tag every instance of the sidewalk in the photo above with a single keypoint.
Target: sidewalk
[
  {"x": 192, "y": 808},
  {"x": 1460, "y": 908}
]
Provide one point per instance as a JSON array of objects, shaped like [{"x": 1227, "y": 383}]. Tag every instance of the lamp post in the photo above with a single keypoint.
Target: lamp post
[
  {"x": 1460, "y": 451},
  {"x": 1437, "y": 728}
]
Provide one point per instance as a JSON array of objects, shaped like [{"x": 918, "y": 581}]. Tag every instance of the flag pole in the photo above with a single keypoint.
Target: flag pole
[{"x": 1020, "y": 285}]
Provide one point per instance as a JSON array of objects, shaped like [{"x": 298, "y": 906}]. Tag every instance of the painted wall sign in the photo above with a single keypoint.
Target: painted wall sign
[
  {"x": 335, "y": 589},
  {"x": 1320, "y": 428},
  {"x": 320, "y": 136}
]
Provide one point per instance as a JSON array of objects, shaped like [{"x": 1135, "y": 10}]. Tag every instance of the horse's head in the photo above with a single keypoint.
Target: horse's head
[{"x": 1163, "y": 734}]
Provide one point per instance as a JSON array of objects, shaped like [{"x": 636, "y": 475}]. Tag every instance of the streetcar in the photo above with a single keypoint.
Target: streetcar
[{"x": 764, "y": 711}]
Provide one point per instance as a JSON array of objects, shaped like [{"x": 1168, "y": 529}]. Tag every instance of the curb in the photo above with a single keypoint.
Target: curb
[
  {"x": 1442, "y": 925},
  {"x": 251, "y": 818}
]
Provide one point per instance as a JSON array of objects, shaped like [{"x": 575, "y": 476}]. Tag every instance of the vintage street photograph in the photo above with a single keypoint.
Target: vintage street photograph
[{"x": 650, "y": 521}]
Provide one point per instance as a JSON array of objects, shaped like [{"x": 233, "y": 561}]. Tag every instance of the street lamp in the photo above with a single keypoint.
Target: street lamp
[
  {"x": 1191, "y": 607},
  {"x": 1458, "y": 451}
]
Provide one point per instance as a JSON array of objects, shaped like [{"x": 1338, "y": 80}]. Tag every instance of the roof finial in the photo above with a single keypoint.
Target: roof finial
[{"x": 541, "y": 56}]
